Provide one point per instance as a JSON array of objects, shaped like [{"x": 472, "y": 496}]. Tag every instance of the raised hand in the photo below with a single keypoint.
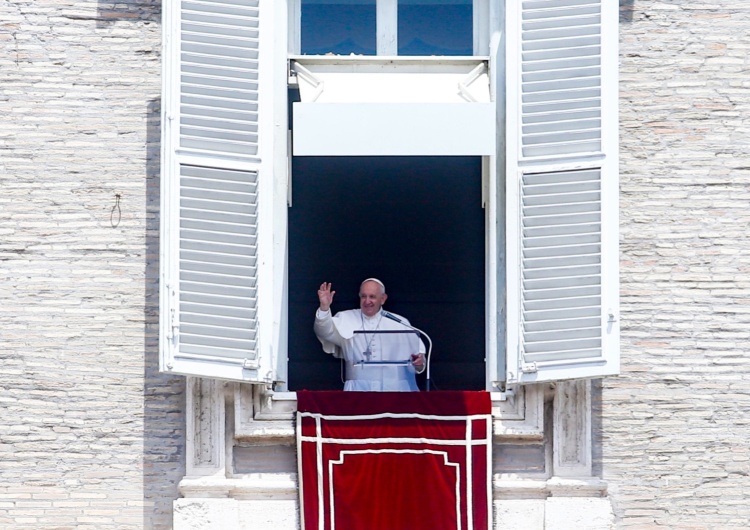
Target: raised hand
[{"x": 325, "y": 296}]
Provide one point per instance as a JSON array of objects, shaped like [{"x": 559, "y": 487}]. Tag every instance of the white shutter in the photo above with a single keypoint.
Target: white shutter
[
  {"x": 561, "y": 190},
  {"x": 217, "y": 180}
]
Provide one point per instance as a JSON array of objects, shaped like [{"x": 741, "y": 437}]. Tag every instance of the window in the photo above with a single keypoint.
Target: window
[
  {"x": 420, "y": 229},
  {"x": 386, "y": 27},
  {"x": 435, "y": 27},
  {"x": 549, "y": 191},
  {"x": 338, "y": 26}
]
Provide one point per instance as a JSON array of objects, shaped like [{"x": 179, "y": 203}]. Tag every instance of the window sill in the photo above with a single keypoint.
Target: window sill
[{"x": 262, "y": 415}]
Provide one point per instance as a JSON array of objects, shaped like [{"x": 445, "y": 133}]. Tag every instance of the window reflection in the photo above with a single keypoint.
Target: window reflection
[
  {"x": 423, "y": 27},
  {"x": 341, "y": 27},
  {"x": 435, "y": 27}
]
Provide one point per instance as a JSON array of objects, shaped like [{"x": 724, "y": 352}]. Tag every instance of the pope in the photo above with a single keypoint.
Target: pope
[{"x": 338, "y": 338}]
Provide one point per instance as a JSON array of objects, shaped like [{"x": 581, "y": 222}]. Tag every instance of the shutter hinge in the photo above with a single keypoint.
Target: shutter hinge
[
  {"x": 504, "y": 392},
  {"x": 611, "y": 321},
  {"x": 173, "y": 326},
  {"x": 250, "y": 364},
  {"x": 529, "y": 368}
]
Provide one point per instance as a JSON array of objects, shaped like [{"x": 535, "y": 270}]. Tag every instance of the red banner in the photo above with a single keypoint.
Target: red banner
[{"x": 394, "y": 460}]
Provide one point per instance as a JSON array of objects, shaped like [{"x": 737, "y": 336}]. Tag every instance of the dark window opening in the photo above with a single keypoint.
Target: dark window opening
[{"x": 414, "y": 222}]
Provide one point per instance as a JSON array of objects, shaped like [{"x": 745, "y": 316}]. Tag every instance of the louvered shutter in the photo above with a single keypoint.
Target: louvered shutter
[
  {"x": 561, "y": 190},
  {"x": 214, "y": 171}
]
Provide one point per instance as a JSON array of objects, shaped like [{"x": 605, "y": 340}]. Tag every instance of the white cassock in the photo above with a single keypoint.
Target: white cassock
[{"x": 336, "y": 334}]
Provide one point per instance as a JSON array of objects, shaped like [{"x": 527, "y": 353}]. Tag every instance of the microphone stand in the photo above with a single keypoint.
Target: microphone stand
[{"x": 390, "y": 316}]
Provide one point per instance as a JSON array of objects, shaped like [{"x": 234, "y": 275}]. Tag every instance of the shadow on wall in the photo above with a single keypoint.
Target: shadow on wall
[
  {"x": 597, "y": 429},
  {"x": 163, "y": 394},
  {"x": 127, "y": 10},
  {"x": 626, "y": 10}
]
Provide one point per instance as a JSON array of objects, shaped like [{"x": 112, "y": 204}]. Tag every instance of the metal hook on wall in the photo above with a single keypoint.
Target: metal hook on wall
[{"x": 116, "y": 214}]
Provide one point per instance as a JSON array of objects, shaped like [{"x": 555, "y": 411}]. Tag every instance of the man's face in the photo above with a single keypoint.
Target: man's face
[{"x": 371, "y": 298}]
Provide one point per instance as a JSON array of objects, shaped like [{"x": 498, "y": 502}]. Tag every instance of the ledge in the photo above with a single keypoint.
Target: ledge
[
  {"x": 284, "y": 486},
  {"x": 577, "y": 487},
  {"x": 257, "y": 486},
  {"x": 267, "y": 431},
  {"x": 552, "y": 487},
  {"x": 265, "y": 416}
]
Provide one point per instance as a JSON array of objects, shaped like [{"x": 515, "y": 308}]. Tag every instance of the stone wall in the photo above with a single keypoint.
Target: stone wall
[
  {"x": 91, "y": 436},
  {"x": 676, "y": 424}
]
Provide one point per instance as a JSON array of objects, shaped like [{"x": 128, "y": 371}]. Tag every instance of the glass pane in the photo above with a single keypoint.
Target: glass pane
[
  {"x": 341, "y": 27},
  {"x": 435, "y": 27}
]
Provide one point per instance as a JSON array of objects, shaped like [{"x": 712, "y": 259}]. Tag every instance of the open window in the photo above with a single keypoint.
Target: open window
[
  {"x": 545, "y": 184},
  {"x": 415, "y": 222}
]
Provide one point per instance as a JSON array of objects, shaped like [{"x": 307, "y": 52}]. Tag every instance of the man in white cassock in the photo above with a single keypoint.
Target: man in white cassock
[{"x": 337, "y": 335}]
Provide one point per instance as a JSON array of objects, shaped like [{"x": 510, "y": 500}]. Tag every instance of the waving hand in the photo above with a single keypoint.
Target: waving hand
[{"x": 325, "y": 295}]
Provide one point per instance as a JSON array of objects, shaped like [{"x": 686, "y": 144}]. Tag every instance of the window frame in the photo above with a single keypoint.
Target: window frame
[{"x": 386, "y": 24}]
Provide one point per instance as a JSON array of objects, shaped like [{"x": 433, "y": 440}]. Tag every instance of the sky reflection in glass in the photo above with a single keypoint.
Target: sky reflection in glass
[{"x": 425, "y": 27}]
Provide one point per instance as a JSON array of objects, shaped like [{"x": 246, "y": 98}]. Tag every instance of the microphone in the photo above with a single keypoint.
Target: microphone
[{"x": 393, "y": 317}]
